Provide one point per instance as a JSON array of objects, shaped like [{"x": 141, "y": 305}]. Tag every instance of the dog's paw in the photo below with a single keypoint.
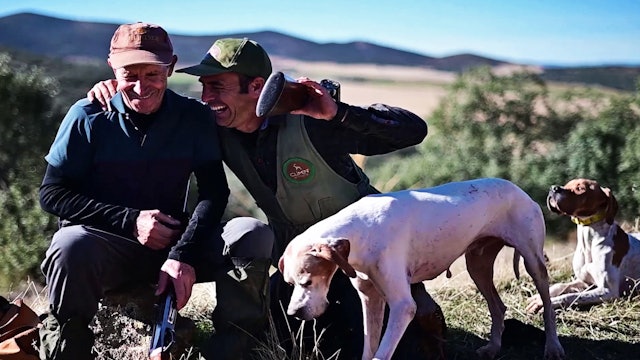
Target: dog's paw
[{"x": 554, "y": 351}]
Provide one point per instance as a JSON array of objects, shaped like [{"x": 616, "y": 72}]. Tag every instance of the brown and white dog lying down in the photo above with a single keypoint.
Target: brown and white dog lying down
[
  {"x": 386, "y": 242},
  {"x": 606, "y": 259}
]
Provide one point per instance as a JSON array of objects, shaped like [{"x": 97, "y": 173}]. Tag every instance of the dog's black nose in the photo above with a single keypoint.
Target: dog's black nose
[
  {"x": 300, "y": 314},
  {"x": 555, "y": 188}
]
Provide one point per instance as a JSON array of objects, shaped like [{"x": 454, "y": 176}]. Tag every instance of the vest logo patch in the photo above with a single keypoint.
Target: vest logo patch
[{"x": 297, "y": 170}]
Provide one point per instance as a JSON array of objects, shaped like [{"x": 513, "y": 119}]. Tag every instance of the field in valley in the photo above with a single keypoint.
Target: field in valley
[{"x": 418, "y": 90}]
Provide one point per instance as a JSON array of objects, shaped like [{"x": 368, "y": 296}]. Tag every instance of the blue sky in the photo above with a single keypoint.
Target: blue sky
[{"x": 563, "y": 32}]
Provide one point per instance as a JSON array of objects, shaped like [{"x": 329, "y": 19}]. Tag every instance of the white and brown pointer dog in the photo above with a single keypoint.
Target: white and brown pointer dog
[
  {"x": 386, "y": 242},
  {"x": 606, "y": 262}
]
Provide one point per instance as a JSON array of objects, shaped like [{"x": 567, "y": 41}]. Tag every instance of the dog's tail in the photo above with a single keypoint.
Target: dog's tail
[{"x": 516, "y": 263}]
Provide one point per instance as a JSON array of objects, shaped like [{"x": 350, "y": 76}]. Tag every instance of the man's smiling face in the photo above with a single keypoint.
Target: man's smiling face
[
  {"x": 234, "y": 106},
  {"x": 143, "y": 85}
]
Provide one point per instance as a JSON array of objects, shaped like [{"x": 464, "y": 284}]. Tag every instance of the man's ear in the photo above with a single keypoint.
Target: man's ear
[
  {"x": 256, "y": 85},
  {"x": 112, "y": 69},
  {"x": 172, "y": 65}
]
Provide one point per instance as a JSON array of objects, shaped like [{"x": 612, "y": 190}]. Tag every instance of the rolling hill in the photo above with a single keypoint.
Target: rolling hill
[
  {"x": 69, "y": 39},
  {"x": 89, "y": 41}
]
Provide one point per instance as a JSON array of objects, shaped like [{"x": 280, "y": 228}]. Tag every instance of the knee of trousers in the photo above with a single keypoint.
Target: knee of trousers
[
  {"x": 71, "y": 248},
  {"x": 248, "y": 237}
]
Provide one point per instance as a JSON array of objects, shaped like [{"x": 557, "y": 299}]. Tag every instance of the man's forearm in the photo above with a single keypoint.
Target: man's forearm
[
  {"x": 375, "y": 130},
  {"x": 212, "y": 200},
  {"x": 59, "y": 199}
]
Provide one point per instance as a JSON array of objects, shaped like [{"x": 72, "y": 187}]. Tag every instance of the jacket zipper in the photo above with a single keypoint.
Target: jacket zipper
[{"x": 144, "y": 136}]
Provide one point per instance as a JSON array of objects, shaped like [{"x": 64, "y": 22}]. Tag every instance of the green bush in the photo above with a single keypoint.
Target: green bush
[
  {"x": 23, "y": 236},
  {"x": 512, "y": 127},
  {"x": 27, "y": 126},
  {"x": 487, "y": 125}
]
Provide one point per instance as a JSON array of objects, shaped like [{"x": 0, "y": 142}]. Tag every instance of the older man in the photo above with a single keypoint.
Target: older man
[{"x": 117, "y": 181}]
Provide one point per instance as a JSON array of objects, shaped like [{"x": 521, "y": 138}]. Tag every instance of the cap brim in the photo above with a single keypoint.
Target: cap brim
[
  {"x": 127, "y": 58},
  {"x": 202, "y": 70}
]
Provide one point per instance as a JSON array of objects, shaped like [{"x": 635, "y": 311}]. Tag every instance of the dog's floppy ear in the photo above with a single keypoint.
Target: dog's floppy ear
[
  {"x": 338, "y": 253},
  {"x": 612, "y": 205},
  {"x": 281, "y": 264},
  {"x": 287, "y": 251}
]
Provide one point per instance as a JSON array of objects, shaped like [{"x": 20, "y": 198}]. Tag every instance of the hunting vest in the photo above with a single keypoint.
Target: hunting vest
[{"x": 308, "y": 189}]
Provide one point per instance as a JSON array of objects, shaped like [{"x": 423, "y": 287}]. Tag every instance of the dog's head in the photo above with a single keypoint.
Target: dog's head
[
  {"x": 309, "y": 267},
  {"x": 582, "y": 198}
]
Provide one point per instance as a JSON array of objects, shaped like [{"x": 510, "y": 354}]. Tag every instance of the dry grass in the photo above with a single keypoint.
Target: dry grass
[{"x": 605, "y": 331}]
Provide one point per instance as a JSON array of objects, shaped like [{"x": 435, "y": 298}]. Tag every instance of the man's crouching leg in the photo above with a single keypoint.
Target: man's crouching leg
[
  {"x": 71, "y": 340},
  {"x": 425, "y": 336},
  {"x": 240, "y": 317},
  {"x": 73, "y": 286}
]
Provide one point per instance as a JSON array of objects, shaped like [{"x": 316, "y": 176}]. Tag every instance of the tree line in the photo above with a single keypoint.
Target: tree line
[{"x": 512, "y": 126}]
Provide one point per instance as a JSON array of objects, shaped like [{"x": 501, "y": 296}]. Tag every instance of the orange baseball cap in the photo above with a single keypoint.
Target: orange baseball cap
[{"x": 140, "y": 43}]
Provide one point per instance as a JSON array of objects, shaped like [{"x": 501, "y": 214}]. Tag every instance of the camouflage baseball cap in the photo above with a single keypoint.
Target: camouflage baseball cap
[
  {"x": 243, "y": 56},
  {"x": 140, "y": 43}
]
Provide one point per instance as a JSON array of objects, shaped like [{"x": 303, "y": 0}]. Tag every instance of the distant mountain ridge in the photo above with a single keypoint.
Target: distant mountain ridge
[
  {"x": 50, "y": 36},
  {"x": 89, "y": 41}
]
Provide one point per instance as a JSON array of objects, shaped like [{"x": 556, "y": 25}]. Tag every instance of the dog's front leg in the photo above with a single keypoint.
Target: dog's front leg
[
  {"x": 557, "y": 292},
  {"x": 402, "y": 309},
  {"x": 373, "y": 315}
]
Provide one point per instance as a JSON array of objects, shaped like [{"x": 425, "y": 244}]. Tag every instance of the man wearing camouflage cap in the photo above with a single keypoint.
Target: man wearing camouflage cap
[{"x": 318, "y": 138}]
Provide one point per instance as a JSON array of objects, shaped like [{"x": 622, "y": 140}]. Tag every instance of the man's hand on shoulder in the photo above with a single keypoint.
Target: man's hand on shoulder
[
  {"x": 156, "y": 230},
  {"x": 102, "y": 92},
  {"x": 182, "y": 275}
]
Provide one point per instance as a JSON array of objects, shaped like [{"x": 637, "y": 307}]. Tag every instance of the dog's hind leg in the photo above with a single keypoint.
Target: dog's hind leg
[
  {"x": 535, "y": 266},
  {"x": 373, "y": 314},
  {"x": 480, "y": 259}
]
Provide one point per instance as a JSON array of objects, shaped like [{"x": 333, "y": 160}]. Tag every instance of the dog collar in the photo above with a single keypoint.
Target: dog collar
[{"x": 588, "y": 221}]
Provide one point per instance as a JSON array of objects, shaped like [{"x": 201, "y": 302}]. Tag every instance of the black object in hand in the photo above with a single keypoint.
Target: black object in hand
[{"x": 163, "y": 336}]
